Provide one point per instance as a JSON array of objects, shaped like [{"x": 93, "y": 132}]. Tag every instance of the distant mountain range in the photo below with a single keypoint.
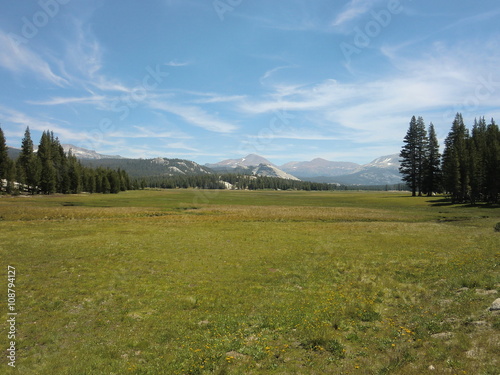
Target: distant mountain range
[
  {"x": 82, "y": 153},
  {"x": 381, "y": 171},
  {"x": 251, "y": 164},
  {"x": 79, "y": 152},
  {"x": 319, "y": 167}
]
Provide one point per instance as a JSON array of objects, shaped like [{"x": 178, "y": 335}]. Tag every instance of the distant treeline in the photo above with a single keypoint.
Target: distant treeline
[
  {"x": 144, "y": 168},
  {"x": 236, "y": 181},
  {"x": 469, "y": 168},
  {"x": 50, "y": 170}
]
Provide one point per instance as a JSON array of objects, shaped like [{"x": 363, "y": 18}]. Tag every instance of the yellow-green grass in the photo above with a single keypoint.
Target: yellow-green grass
[{"x": 238, "y": 282}]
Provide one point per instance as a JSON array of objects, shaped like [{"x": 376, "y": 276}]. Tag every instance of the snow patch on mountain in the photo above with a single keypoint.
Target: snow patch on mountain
[
  {"x": 388, "y": 161},
  {"x": 83, "y": 153},
  {"x": 250, "y": 160},
  {"x": 268, "y": 170}
]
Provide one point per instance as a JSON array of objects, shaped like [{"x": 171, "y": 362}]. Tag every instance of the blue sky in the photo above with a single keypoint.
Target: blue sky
[{"x": 209, "y": 80}]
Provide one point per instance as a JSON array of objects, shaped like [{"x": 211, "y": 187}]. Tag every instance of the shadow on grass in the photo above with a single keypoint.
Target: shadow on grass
[
  {"x": 446, "y": 202},
  {"x": 440, "y": 202}
]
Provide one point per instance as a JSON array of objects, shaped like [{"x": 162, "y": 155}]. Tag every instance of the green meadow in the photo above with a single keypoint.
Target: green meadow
[{"x": 250, "y": 282}]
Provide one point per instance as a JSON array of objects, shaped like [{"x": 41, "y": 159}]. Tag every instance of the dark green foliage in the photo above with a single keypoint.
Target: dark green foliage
[
  {"x": 4, "y": 157},
  {"x": 74, "y": 174},
  {"x": 105, "y": 184},
  {"x": 48, "y": 174},
  {"x": 432, "y": 164},
  {"x": 12, "y": 187},
  {"x": 456, "y": 161},
  {"x": 238, "y": 181},
  {"x": 477, "y": 147},
  {"x": 114, "y": 182},
  {"x": 491, "y": 188},
  {"x": 28, "y": 171},
  {"x": 413, "y": 155},
  {"x": 50, "y": 170},
  {"x": 470, "y": 164}
]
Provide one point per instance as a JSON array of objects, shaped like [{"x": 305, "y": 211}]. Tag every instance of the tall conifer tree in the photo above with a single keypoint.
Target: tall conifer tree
[
  {"x": 456, "y": 161},
  {"x": 413, "y": 155},
  {"x": 28, "y": 163},
  {"x": 432, "y": 165},
  {"x": 4, "y": 158},
  {"x": 477, "y": 148},
  {"x": 48, "y": 178},
  {"x": 492, "y": 163}
]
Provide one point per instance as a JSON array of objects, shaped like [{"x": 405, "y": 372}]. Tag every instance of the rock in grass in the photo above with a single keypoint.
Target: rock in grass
[
  {"x": 485, "y": 292},
  {"x": 479, "y": 323},
  {"x": 495, "y": 305},
  {"x": 443, "y": 335}
]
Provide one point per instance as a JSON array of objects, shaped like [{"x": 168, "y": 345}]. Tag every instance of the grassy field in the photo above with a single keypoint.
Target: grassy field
[{"x": 238, "y": 282}]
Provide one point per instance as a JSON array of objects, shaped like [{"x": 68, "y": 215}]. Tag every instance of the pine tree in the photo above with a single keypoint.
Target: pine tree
[
  {"x": 11, "y": 176},
  {"x": 492, "y": 163},
  {"x": 456, "y": 162},
  {"x": 106, "y": 186},
  {"x": 432, "y": 164},
  {"x": 413, "y": 155},
  {"x": 114, "y": 182},
  {"x": 48, "y": 176},
  {"x": 422, "y": 146},
  {"x": 477, "y": 147},
  {"x": 89, "y": 178},
  {"x": 74, "y": 174},
  {"x": 4, "y": 159},
  {"x": 28, "y": 164},
  {"x": 60, "y": 163}
]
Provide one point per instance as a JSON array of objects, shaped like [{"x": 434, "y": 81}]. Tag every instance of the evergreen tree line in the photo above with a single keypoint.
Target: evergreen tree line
[
  {"x": 238, "y": 181},
  {"x": 50, "y": 170},
  {"x": 469, "y": 168}
]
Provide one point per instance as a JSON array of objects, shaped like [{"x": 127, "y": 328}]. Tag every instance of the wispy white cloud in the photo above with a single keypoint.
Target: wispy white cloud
[
  {"x": 106, "y": 84},
  {"x": 149, "y": 132},
  {"x": 195, "y": 116},
  {"x": 216, "y": 98},
  {"x": 302, "y": 98},
  {"x": 351, "y": 11},
  {"x": 83, "y": 51},
  {"x": 84, "y": 59},
  {"x": 198, "y": 97},
  {"x": 176, "y": 63},
  {"x": 481, "y": 17},
  {"x": 22, "y": 120},
  {"x": 268, "y": 74},
  {"x": 305, "y": 134},
  {"x": 69, "y": 100},
  {"x": 19, "y": 59}
]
